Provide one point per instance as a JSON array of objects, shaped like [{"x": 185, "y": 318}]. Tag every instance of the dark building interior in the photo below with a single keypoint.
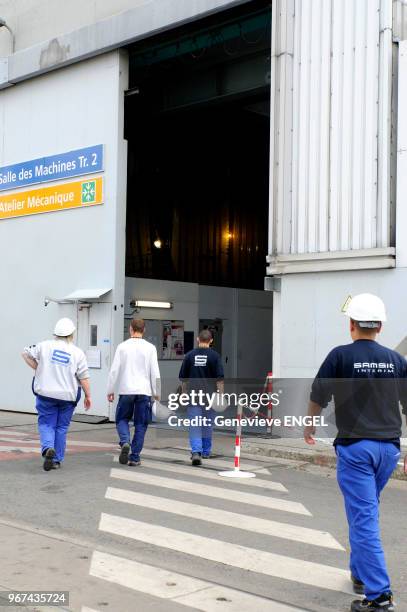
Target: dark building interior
[{"x": 197, "y": 124}]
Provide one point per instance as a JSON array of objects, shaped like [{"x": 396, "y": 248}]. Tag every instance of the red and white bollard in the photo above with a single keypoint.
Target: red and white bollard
[
  {"x": 237, "y": 473},
  {"x": 269, "y": 390}
]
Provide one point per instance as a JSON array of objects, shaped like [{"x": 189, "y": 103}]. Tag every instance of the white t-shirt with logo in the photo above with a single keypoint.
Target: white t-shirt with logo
[{"x": 61, "y": 365}]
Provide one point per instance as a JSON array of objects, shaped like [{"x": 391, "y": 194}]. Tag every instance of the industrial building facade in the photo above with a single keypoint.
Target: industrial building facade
[{"x": 154, "y": 155}]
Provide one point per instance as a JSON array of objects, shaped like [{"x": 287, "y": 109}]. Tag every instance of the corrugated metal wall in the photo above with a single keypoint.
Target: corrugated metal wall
[
  {"x": 331, "y": 121},
  {"x": 399, "y": 20}
]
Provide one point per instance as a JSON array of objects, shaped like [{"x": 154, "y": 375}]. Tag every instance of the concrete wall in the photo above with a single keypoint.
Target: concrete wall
[
  {"x": 35, "y": 21},
  {"x": 246, "y": 316},
  {"x": 311, "y": 322},
  {"x": 49, "y": 34},
  {"x": 247, "y": 328},
  {"x": 185, "y": 298},
  {"x": 255, "y": 334},
  {"x": 57, "y": 253}
]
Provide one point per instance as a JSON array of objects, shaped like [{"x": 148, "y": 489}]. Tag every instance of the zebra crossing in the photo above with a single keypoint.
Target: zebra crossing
[
  {"x": 231, "y": 494},
  {"x": 162, "y": 478},
  {"x": 185, "y": 590},
  {"x": 212, "y": 475},
  {"x": 276, "y": 529}
]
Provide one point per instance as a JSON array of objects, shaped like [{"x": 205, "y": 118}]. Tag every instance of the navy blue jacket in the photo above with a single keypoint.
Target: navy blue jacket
[
  {"x": 201, "y": 368},
  {"x": 368, "y": 382}
]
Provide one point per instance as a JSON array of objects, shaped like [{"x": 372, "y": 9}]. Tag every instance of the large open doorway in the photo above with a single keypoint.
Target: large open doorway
[{"x": 197, "y": 122}]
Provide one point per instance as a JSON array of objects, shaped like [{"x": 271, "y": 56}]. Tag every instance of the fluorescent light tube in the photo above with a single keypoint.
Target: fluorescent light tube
[{"x": 152, "y": 304}]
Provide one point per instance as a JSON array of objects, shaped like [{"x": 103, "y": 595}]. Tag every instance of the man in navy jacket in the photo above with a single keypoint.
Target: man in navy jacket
[
  {"x": 201, "y": 371},
  {"x": 367, "y": 382}
]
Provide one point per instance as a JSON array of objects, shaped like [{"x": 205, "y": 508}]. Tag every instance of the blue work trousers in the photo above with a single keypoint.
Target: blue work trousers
[
  {"x": 136, "y": 408},
  {"x": 363, "y": 469},
  {"x": 200, "y": 436},
  {"x": 54, "y": 417}
]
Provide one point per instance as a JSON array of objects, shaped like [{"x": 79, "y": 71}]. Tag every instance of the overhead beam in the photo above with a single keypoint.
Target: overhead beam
[{"x": 153, "y": 17}]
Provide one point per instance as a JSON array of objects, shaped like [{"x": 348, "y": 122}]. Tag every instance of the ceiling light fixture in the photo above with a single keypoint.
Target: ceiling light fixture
[{"x": 150, "y": 304}]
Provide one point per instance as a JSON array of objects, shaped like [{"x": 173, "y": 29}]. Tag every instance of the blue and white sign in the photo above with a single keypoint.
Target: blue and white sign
[{"x": 52, "y": 168}]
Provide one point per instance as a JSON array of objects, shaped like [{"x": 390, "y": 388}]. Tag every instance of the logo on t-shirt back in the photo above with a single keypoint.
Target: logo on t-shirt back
[
  {"x": 379, "y": 368},
  {"x": 60, "y": 357},
  {"x": 201, "y": 360}
]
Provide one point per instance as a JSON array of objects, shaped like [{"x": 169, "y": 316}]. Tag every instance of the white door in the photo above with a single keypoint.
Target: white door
[{"x": 94, "y": 338}]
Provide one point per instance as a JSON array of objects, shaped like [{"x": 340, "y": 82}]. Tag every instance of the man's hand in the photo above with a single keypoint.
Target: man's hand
[
  {"x": 309, "y": 432},
  {"x": 85, "y": 384},
  {"x": 110, "y": 397}
]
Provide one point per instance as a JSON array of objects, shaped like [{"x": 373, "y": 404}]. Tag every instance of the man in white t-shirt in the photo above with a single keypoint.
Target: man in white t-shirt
[
  {"x": 136, "y": 377},
  {"x": 60, "y": 372}
]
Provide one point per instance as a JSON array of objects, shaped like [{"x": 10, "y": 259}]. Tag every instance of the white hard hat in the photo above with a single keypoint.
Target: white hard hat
[
  {"x": 64, "y": 327},
  {"x": 219, "y": 404},
  {"x": 366, "y": 309},
  {"x": 161, "y": 411}
]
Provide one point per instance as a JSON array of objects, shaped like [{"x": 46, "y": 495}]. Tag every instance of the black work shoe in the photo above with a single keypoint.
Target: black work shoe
[
  {"x": 384, "y": 603},
  {"x": 134, "y": 463},
  {"x": 124, "y": 454},
  {"x": 49, "y": 459},
  {"x": 196, "y": 459},
  {"x": 358, "y": 586},
  {"x": 206, "y": 455},
  {"x": 56, "y": 465}
]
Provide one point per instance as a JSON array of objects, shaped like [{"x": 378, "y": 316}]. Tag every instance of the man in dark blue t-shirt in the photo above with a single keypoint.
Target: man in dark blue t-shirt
[
  {"x": 202, "y": 376},
  {"x": 367, "y": 382}
]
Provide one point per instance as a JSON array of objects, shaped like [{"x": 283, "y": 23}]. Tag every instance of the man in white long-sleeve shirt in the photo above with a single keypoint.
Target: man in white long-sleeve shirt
[{"x": 136, "y": 378}]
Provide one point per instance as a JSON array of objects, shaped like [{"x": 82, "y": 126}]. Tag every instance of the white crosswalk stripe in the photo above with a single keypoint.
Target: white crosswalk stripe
[
  {"x": 235, "y": 555},
  {"x": 185, "y": 457},
  {"x": 78, "y": 443},
  {"x": 18, "y": 434},
  {"x": 217, "y": 492},
  {"x": 204, "y": 472},
  {"x": 181, "y": 588},
  {"x": 21, "y": 449},
  {"x": 192, "y": 592},
  {"x": 226, "y": 518},
  {"x": 23, "y": 445},
  {"x": 13, "y": 439}
]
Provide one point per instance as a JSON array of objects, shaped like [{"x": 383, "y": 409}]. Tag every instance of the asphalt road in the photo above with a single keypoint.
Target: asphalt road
[{"x": 169, "y": 537}]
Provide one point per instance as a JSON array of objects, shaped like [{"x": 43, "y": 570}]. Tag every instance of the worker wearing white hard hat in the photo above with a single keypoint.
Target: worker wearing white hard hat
[
  {"x": 367, "y": 382},
  {"x": 367, "y": 309},
  {"x": 61, "y": 371}
]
